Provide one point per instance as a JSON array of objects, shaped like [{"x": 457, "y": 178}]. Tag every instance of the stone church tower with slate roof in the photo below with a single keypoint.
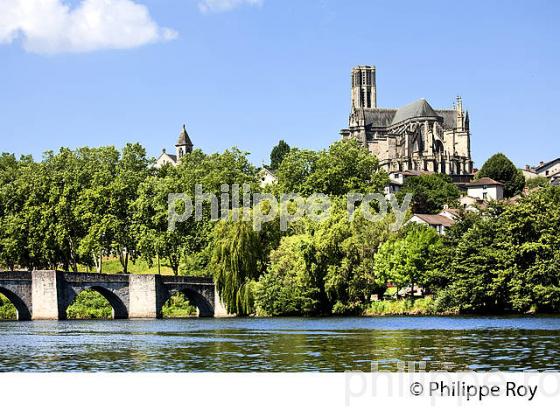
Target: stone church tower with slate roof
[
  {"x": 184, "y": 146},
  {"x": 415, "y": 137}
]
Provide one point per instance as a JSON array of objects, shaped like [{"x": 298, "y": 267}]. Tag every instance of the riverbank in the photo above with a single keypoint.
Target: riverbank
[{"x": 407, "y": 307}]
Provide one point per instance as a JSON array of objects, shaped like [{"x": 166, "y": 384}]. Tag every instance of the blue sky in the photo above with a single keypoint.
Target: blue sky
[{"x": 247, "y": 73}]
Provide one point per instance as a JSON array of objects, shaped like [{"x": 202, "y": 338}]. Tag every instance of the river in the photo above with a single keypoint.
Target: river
[{"x": 283, "y": 344}]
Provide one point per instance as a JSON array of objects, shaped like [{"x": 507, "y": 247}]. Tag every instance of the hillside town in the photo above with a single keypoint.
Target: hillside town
[{"x": 411, "y": 141}]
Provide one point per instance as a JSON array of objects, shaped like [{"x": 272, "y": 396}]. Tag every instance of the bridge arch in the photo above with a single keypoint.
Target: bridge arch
[
  {"x": 119, "y": 308},
  {"x": 23, "y": 311},
  {"x": 198, "y": 299}
]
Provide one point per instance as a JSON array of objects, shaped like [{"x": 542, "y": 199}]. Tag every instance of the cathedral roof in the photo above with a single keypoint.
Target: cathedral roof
[
  {"x": 385, "y": 117},
  {"x": 379, "y": 117},
  {"x": 184, "y": 138},
  {"x": 419, "y": 108},
  {"x": 449, "y": 118}
]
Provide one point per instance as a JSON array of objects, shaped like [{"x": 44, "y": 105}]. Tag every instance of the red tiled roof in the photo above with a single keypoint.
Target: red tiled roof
[
  {"x": 452, "y": 211},
  {"x": 435, "y": 219},
  {"x": 484, "y": 181}
]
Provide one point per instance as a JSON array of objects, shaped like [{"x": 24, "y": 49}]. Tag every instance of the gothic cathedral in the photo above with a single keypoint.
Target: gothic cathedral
[{"x": 414, "y": 137}]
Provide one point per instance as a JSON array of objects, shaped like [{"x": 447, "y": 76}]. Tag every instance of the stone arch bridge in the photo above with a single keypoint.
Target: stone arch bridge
[{"x": 46, "y": 294}]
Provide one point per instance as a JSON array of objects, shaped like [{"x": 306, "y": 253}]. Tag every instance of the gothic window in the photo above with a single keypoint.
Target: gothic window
[{"x": 438, "y": 147}]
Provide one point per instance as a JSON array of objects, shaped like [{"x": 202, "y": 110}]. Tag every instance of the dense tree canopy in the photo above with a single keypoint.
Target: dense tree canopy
[
  {"x": 290, "y": 286},
  {"x": 430, "y": 192},
  {"x": 345, "y": 167},
  {"x": 75, "y": 208}
]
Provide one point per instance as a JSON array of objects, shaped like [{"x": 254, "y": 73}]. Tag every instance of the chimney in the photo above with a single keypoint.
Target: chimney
[
  {"x": 527, "y": 167},
  {"x": 541, "y": 163}
]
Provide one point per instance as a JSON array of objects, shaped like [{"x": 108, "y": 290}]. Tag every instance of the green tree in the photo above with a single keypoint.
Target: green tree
[
  {"x": 278, "y": 153},
  {"x": 132, "y": 170},
  {"x": 438, "y": 277},
  {"x": 430, "y": 192},
  {"x": 479, "y": 270},
  {"x": 238, "y": 259},
  {"x": 344, "y": 254},
  {"x": 529, "y": 237},
  {"x": 13, "y": 235},
  {"x": 406, "y": 260},
  {"x": 289, "y": 287},
  {"x": 346, "y": 167},
  {"x": 95, "y": 205},
  {"x": 501, "y": 169},
  {"x": 295, "y": 169}
]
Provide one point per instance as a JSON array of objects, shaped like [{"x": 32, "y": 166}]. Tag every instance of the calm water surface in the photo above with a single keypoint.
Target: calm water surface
[{"x": 329, "y": 344}]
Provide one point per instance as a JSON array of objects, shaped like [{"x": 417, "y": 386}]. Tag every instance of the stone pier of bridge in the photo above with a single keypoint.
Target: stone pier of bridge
[{"x": 46, "y": 294}]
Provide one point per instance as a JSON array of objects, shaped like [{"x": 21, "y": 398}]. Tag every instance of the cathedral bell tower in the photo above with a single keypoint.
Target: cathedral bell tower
[
  {"x": 364, "y": 93},
  {"x": 184, "y": 144}
]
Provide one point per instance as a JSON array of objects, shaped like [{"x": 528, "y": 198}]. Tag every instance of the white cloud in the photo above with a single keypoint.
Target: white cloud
[
  {"x": 218, "y": 6},
  {"x": 51, "y": 26}
]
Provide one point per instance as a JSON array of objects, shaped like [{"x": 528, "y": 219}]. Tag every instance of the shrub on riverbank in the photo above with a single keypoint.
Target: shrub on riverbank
[
  {"x": 7, "y": 310},
  {"x": 177, "y": 307},
  {"x": 423, "y": 306}
]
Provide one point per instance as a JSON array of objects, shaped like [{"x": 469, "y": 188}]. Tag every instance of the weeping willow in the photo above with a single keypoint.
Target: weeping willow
[{"x": 237, "y": 257}]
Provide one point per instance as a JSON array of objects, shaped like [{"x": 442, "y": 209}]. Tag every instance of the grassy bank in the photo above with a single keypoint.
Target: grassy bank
[
  {"x": 422, "y": 306},
  {"x": 140, "y": 266}
]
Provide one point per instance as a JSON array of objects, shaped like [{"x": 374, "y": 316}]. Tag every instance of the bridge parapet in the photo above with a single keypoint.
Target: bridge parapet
[
  {"x": 16, "y": 275},
  {"x": 84, "y": 277}
]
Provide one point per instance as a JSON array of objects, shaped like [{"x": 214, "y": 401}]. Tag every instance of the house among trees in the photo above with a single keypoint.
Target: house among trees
[
  {"x": 266, "y": 177},
  {"x": 550, "y": 170},
  {"x": 439, "y": 222},
  {"x": 396, "y": 179},
  {"x": 486, "y": 189}
]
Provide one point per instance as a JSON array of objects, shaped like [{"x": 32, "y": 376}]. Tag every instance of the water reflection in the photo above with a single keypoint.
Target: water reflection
[{"x": 454, "y": 344}]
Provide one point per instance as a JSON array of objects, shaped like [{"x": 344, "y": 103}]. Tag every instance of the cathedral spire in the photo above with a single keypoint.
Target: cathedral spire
[{"x": 460, "y": 114}]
